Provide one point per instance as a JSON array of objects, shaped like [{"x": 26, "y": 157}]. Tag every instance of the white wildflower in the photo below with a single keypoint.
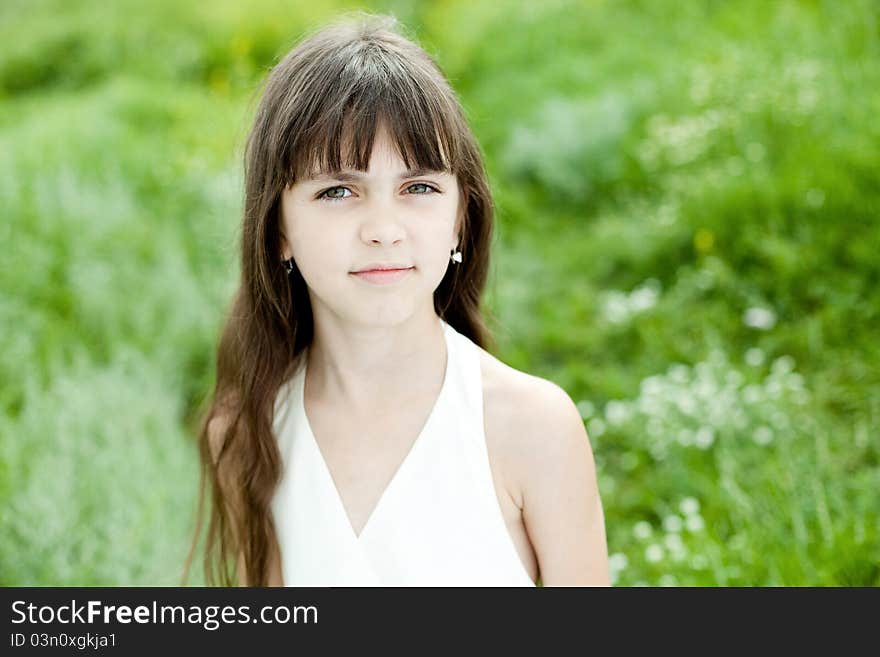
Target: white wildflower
[
  {"x": 672, "y": 523},
  {"x": 733, "y": 379},
  {"x": 654, "y": 427},
  {"x": 652, "y": 385},
  {"x": 668, "y": 580},
  {"x": 615, "y": 307},
  {"x": 752, "y": 393},
  {"x": 780, "y": 420},
  {"x": 616, "y": 412},
  {"x": 699, "y": 561},
  {"x": 586, "y": 408},
  {"x": 763, "y": 435},
  {"x": 689, "y": 506},
  {"x": 658, "y": 451},
  {"x": 685, "y": 403},
  {"x": 617, "y": 562},
  {"x": 674, "y": 543},
  {"x": 704, "y": 369},
  {"x": 644, "y": 297},
  {"x": 694, "y": 523},
  {"x": 642, "y": 529},
  {"x": 679, "y": 373},
  {"x": 760, "y": 318},
  {"x": 654, "y": 553},
  {"x": 783, "y": 365},
  {"x": 705, "y": 437},
  {"x": 755, "y": 356},
  {"x": 705, "y": 390}
]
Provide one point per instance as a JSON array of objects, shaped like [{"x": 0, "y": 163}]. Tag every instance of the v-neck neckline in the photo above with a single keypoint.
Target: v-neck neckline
[{"x": 401, "y": 468}]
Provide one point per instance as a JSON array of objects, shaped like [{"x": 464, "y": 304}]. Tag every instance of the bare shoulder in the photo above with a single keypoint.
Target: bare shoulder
[
  {"x": 535, "y": 417},
  {"x": 537, "y": 432}
]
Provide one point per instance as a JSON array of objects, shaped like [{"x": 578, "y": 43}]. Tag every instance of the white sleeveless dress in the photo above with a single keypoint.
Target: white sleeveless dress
[{"x": 438, "y": 522}]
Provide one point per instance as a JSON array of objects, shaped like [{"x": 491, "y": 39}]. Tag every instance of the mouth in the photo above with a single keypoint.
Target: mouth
[{"x": 383, "y": 276}]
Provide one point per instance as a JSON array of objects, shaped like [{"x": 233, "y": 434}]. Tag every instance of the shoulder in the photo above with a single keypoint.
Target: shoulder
[
  {"x": 549, "y": 470},
  {"x": 537, "y": 425}
]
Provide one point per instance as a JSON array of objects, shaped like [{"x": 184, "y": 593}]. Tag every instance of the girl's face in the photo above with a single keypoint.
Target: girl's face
[{"x": 340, "y": 223}]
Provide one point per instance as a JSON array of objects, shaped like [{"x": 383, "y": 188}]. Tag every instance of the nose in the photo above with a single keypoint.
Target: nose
[{"x": 383, "y": 225}]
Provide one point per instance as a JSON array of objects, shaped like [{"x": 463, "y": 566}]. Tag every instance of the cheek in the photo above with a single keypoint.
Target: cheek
[
  {"x": 315, "y": 248},
  {"x": 317, "y": 254},
  {"x": 435, "y": 251},
  {"x": 308, "y": 239}
]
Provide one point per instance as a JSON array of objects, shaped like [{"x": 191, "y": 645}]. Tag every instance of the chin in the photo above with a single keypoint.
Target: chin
[{"x": 385, "y": 314}]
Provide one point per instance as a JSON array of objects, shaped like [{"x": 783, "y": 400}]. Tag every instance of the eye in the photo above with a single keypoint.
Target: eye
[
  {"x": 426, "y": 185},
  {"x": 323, "y": 195},
  {"x": 330, "y": 193}
]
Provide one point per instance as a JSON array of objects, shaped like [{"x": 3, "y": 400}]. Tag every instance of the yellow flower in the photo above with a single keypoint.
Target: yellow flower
[{"x": 704, "y": 239}]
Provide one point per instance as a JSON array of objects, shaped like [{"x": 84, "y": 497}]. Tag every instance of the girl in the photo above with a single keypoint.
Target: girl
[{"x": 359, "y": 432}]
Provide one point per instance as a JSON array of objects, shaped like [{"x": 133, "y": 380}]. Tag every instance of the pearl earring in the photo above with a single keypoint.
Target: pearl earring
[{"x": 456, "y": 256}]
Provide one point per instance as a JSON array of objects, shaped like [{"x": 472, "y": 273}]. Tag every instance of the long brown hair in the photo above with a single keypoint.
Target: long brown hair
[{"x": 342, "y": 79}]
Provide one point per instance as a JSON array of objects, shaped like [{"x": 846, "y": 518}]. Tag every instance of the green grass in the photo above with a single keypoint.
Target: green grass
[{"x": 686, "y": 242}]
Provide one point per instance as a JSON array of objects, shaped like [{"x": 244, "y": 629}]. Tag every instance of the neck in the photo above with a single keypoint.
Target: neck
[{"x": 365, "y": 368}]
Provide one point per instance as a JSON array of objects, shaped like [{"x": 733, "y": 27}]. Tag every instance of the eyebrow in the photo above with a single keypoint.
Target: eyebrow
[{"x": 347, "y": 175}]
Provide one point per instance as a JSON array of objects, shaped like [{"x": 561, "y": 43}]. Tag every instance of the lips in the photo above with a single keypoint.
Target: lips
[
  {"x": 383, "y": 276},
  {"x": 382, "y": 266}
]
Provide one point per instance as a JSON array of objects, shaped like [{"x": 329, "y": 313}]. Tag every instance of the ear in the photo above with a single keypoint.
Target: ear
[
  {"x": 459, "y": 223},
  {"x": 286, "y": 251},
  {"x": 285, "y": 247}
]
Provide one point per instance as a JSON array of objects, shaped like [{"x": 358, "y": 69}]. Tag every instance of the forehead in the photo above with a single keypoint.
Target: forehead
[
  {"x": 383, "y": 156},
  {"x": 351, "y": 175},
  {"x": 358, "y": 154}
]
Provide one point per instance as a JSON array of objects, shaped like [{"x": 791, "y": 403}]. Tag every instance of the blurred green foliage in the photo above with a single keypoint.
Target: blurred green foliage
[{"x": 687, "y": 239}]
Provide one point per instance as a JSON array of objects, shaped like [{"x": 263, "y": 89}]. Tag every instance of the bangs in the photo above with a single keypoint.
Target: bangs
[{"x": 348, "y": 101}]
